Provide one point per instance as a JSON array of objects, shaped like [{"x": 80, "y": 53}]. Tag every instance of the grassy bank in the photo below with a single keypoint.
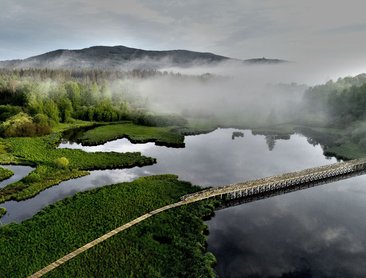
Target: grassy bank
[
  {"x": 5, "y": 174},
  {"x": 2, "y": 212},
  {"x": 42, "y": 153},
  {"x": 40, "y": 179},
  {"x": 166, "y": 245},
  {"x": 335, "y": 142},
  {"x": 42, "y": 150},
  {"x": 135, "y": 133}
]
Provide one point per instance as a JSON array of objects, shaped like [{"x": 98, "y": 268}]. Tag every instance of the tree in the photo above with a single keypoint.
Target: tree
[
  {"x": 66, "y": 110},
  {"x": 51, "y": 110}
]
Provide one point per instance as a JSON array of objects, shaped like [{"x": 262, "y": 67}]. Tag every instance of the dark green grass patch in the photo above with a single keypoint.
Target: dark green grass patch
[
  {"x": 5, "y": 174},
  {"x": 166, "y": 245},
  {"x": 42, "y": 153},
  {"x": 135, "y": 133}
]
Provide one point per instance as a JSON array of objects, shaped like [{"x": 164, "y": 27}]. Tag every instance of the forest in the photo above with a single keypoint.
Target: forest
[
  {"x": 33, "y": 101},
  {"x": 334, "y": 115}
]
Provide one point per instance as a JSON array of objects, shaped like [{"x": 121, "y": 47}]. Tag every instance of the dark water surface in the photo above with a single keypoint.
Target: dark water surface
[
  {"x": 216, "y": 159},
  {"x": 318, "y": 232}
]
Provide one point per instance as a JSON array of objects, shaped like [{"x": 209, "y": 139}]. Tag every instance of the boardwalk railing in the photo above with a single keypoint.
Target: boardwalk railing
[
  {"x": 254, "y": 187},
  {"x": 265, "y": 195}
]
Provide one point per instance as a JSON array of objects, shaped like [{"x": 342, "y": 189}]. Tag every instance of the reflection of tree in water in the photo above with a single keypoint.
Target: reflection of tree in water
[
  {"x": 237, "y": 134},
  {"x": 312, "y": 141},
  {"x": 271, "y": 142}
]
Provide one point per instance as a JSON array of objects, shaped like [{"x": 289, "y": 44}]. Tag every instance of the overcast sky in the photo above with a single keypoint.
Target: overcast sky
[{"x": 288, "y": 29}]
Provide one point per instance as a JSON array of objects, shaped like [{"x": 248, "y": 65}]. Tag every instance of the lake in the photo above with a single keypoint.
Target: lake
[{"x": 318, "y": 232}]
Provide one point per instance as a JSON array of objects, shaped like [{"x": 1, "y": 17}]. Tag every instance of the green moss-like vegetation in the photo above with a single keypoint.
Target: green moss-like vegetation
[
  {"x": 2, "y": 212},
  {"x": 42, "y": 153},
  {"x": 43, "y": 150},
  {"x": 75, "y": 124},
  {"x": 38, "y": 180},
  {"x": 5, "y": 174},
  {"x": 135, "y": 133},
  {"x": 170, "y": 244}
]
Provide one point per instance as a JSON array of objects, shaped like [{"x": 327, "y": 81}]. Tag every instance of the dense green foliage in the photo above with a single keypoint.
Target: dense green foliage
[
  {"x": 5, "y": 174},
  {"x": 135, "y": 133},
  {"x": 340, "y": 112},
  {"x": 62, "y": 96},
  {"x": 166, "y": 245},
  {"x": 343, "y": 101},
  {"x": 22, "y": 125}
]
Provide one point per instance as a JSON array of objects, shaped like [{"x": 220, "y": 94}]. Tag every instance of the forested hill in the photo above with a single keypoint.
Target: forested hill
[
  {"x": 122, "y": 58},
  {"x": 344, "y": 100}
]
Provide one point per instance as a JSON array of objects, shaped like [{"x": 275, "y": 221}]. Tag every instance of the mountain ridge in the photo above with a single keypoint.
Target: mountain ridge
[{"x": 122, "y": 57}]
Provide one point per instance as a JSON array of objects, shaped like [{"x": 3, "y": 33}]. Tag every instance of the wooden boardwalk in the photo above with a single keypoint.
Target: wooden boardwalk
[
  {"x": 231, "y": 192},
  {"x": 254, "y": 187},
  {"x": 106, "y": 236}
]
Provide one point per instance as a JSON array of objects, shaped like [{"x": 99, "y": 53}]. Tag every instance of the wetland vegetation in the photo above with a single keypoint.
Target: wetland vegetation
[
  {"x": 42, "y": 153},
  {"x": 2, "y": 211},
  {"x": 5, "y": 173},
  {"x": 38, "y": 106},
  {"x": 134, "y": 133},
  {"x": 153, "y": 248}
]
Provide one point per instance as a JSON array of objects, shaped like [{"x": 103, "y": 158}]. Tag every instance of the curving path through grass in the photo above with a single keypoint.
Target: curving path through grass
[{"x": 106, "y": 236}]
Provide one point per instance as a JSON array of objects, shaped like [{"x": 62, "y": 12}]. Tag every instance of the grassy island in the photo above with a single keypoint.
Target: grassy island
[
  {"x": 42, "y": 153},
  {"x": 5, "y": 174},
  {"x": 135, "y": 133}
]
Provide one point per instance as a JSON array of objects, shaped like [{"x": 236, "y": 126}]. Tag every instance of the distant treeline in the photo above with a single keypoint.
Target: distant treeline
[
  {"x": 93, "y": 75},
  {"x": 32, "y": 101},
  {"x": 339, "y": 110}
]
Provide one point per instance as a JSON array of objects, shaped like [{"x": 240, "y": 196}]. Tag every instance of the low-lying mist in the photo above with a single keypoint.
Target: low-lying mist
[
  {"x": 233, "y": 92},
  {"x": 230, "y": 93}
]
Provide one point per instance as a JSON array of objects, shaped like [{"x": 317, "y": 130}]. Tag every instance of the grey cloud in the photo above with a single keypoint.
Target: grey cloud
[{"x": 297, "y": 31}]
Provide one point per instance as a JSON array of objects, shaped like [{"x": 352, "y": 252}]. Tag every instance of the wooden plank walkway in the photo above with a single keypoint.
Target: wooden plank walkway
[
  {"x": 239, "y": 190},
  {"x": 231, "y": 191},
  {"x": 104, "y": 237}
]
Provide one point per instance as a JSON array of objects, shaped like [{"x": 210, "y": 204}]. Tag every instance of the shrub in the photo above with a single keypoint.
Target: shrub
[
  {"x": 22, "y": 125},
  {"x": 32, "y": 177},
  {"x": 62, "y": 162}
]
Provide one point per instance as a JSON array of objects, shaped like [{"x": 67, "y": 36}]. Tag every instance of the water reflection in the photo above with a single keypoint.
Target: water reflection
[
  {"x": 318, "y": 232},
  {"x": 208, "y": 160},
  {"x": 215, "y": 159},
  {"x": 19, "y": 211}
]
